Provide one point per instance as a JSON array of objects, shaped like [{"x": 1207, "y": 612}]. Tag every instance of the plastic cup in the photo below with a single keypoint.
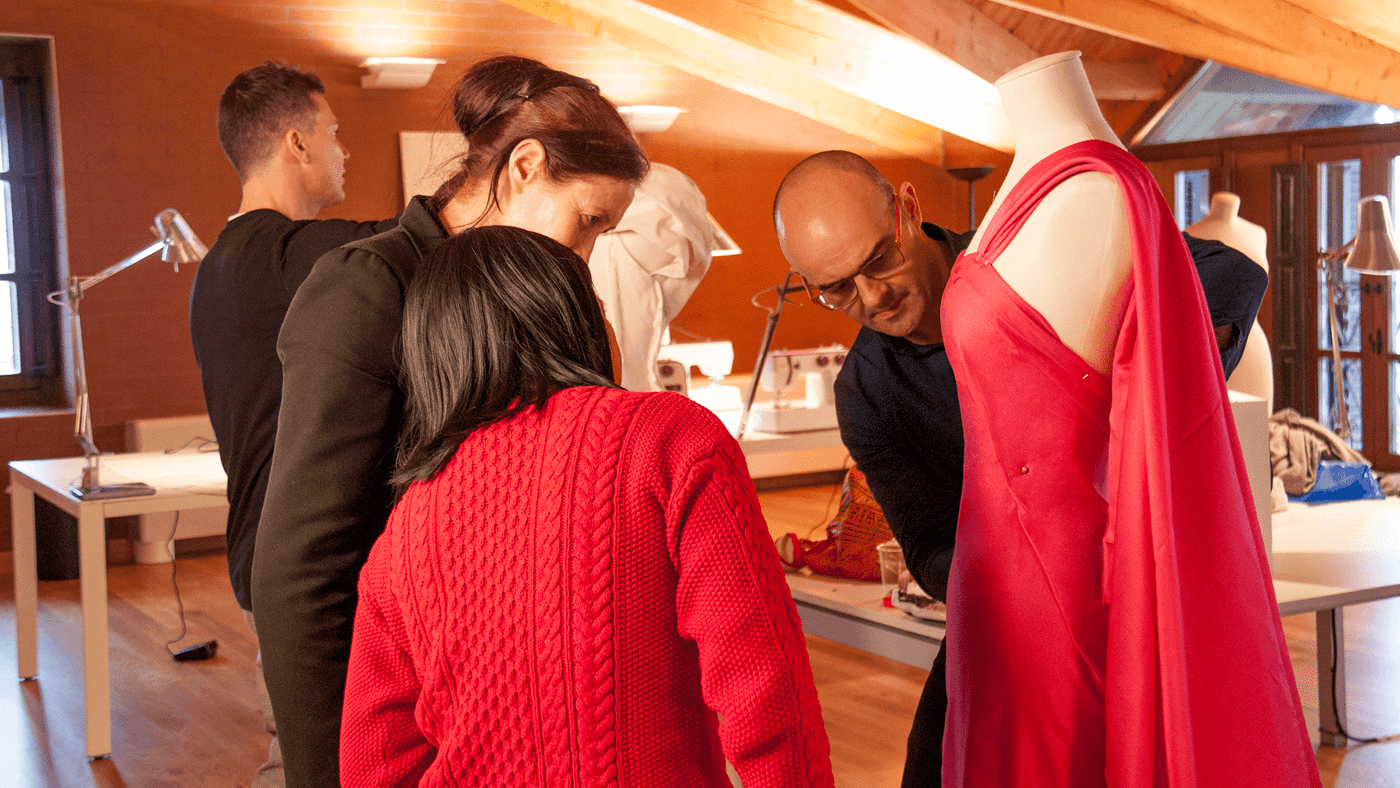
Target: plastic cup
[{"x": 891, "y": 564}]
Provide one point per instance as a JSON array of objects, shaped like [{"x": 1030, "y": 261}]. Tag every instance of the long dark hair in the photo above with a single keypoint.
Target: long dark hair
[
  {"x": 495, "y": 321},
  {"x": 503, "y": 101}
]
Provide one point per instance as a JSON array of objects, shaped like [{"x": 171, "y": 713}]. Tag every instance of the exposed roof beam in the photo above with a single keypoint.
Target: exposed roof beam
[
  {"x": 957, "y": 30},
  {"x": 861, "y": 58},
  {"x": 1172, "y": 92},
  {"x": 989, "y": 50},
  {"x": 806, "y": 57},
  {"x": 1378, "y": 20},
  {"x": 1127, "y": 80},
  {"x": 1275, "y": 38}
]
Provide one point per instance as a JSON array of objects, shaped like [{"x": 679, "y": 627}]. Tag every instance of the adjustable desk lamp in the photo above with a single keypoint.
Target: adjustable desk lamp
[
  {"x": 1372, "y": 251},
  {"x": 177, "y": 243}
]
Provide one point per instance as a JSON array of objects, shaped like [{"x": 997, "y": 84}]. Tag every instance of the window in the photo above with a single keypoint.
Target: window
[
  {"x": 1192, "y": 197},
  {"x": 28, "y": 356},
  {"x": 1393, "y": 341},
  {"x": 1367, "y": 307},
  {"x": 1221, "y": 102},
  {"x": 1338, "y": 192}
]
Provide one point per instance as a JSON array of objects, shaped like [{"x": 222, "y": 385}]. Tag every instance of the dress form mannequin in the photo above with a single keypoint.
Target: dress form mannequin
[
  {"x": 1072, "y": 258},
  {"x": 1106, "y": 519},
  {"x": 646, "y": 269},
  {"x": 1255, "y": 372}
]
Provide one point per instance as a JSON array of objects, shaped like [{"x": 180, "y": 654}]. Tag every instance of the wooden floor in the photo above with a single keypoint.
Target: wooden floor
[{"x": 197, "y": 723}]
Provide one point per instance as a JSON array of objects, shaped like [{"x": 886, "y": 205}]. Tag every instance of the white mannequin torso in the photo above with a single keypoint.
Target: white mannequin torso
[
  {"x": 1224, "y": 224},
  {"x": 1255, "y": 372},
  {"x": 1071, "y": 260}
]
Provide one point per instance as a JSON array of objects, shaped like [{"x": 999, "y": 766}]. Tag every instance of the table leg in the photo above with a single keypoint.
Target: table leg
[
  {"x": 26, "y": 578},
  {"x": 92, "y": 570},
  {"x": 1330, "y": 641}
]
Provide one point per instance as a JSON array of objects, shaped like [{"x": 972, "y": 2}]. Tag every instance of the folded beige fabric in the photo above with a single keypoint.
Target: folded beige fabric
[{"x": 1297, "y": 444}]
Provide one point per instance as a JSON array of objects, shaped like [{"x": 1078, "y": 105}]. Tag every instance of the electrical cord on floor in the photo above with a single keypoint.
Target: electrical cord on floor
[
  {"x": 198, "y": 651},
  {"x": 1338, "y": 721}
]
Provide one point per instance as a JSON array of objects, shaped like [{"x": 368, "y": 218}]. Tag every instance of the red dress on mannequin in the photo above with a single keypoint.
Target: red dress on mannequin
[{"x": 1111, "y": 616}]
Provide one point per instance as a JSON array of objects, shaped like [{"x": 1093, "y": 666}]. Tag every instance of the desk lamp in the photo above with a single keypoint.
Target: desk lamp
[
  {"x": 724, "y": 244},
  {"x": 1372, "y": 251},
  {"x": 176, "y": 243},
  {"x": 774, "y": 313}
]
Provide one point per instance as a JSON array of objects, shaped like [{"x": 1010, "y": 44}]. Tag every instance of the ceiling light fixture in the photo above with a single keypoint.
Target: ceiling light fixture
[
  {"x": 398, "y": 72},
  {"x": 643, "y": 118}
]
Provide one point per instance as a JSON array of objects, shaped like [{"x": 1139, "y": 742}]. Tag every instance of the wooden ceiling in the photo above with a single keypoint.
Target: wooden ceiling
[
  {"x": 884, "y": 78},
  {"x": 849, "y": 63}
]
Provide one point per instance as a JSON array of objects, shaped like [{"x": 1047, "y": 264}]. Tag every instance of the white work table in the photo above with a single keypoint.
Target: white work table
[
  {"x": 183, "y": 481},
  {"x": 1325, "y": 558},
  {"x": 853, "y": 612}
]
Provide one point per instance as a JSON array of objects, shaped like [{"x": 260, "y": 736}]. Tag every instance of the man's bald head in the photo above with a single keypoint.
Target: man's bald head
[
  {"x": 835, "y": 216},
  {"x": 826, "y": 209},
  {"x": 806, "y": 191}
]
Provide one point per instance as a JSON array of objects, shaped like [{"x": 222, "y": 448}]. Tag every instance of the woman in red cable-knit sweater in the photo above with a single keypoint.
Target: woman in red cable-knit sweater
[{"x": 577, "y": 586}]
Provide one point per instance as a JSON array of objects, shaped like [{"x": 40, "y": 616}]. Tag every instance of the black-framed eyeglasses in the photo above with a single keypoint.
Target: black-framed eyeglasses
[{"x": 842, "y": 293}]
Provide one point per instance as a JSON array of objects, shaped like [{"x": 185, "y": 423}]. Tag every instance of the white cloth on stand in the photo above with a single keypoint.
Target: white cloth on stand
[{"x": 646, "y": 269}]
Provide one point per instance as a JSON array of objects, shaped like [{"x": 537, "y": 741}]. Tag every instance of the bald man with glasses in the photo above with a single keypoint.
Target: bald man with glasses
[{"x": 861, "y": 247}]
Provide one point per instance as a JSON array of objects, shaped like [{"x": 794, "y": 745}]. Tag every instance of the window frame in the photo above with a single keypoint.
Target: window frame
[
  {"x": 1374, "y": 356},
  {"x": 26, "y": 70}
]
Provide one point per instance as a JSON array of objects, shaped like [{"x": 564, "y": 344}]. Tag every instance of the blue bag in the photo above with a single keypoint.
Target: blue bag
[{"x": 1342, "y": 481}]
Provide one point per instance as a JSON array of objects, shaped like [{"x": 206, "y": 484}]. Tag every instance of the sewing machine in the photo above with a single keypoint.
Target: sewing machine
[
  {"x": 715, "y": 360},
  {"x": 817, "y": 410}
]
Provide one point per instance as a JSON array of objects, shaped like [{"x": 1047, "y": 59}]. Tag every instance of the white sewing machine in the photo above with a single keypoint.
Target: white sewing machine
[
  {"x": 715, "y": 360},
  {"x": 817, "y": 410}
]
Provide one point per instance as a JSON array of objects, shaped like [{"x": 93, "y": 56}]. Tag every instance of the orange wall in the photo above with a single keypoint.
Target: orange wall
[
  {"x": 739, "y": 189},
  {"x": 137, "y": 90}
]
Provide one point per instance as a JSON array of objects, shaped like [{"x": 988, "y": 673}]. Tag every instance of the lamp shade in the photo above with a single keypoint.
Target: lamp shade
[
  {"x": 1374, "y": 251},
  {"x": 181, "y": 245},
  {"x": 724, "y": 244}
]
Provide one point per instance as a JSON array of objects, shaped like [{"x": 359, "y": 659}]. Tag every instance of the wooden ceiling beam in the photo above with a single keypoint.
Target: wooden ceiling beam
[
  {"x": 860, "y": 58},
  {"x": 1126, "y": 80},
  {"x": 1275, "y": 38},
  {"x": 1179, "y": 81},
  {"x": 955, "y": 29},
  {"x": 988, "y": 50},
  {"x": 1378, "y": 20},
  {"x": 825, "y": 64}
]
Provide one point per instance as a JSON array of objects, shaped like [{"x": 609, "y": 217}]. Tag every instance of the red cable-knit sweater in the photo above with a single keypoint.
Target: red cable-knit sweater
[{"x": 570, "y": 602}]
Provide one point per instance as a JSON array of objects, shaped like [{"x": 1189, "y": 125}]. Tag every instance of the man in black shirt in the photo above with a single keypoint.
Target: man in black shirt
[
  {"x": 862, "y": 248},
  {"x": 280, "y": 134}
]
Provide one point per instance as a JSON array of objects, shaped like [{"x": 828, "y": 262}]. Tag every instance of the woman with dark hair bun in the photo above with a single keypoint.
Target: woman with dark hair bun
[
  {"x": 503, "y": 102},
  {"x": 577, "y": 579},
  {"x": 546, "y": 152}
]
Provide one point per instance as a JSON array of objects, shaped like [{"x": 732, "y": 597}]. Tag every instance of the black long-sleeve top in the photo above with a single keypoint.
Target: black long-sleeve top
[
  {"x": 328, "y": 495},
  {"x": 240, "y": 296}
]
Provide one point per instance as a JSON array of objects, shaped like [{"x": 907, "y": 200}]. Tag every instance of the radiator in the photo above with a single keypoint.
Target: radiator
[{"x": 152, "y": 544}]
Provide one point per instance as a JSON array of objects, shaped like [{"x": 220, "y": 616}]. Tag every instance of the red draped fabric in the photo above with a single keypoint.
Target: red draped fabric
[{"x": 1111, "y": 615}]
